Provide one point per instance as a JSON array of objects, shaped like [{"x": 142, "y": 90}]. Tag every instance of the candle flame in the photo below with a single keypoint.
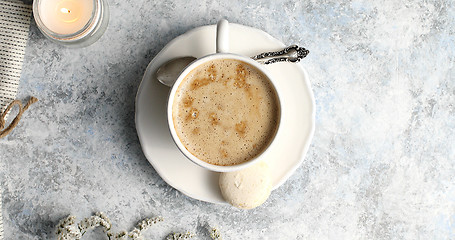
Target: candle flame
[{"x": 65, "y": 10}]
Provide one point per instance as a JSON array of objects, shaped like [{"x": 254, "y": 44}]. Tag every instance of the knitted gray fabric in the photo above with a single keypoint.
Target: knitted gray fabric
[{"x": 14, "y": 27}]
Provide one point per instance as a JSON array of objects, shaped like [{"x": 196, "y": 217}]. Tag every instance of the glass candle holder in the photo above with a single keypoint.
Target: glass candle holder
[{"x": 72, "y": 23}]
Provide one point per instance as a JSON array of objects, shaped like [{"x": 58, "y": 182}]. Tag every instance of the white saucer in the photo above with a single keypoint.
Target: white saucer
[{"x": 296, "y": 129}]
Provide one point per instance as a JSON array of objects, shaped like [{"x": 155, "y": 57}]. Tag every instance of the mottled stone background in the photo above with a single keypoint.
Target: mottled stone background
[{"x": 381, "y": 164}]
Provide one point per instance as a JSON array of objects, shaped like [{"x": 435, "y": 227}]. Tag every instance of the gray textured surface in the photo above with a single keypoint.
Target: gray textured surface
[{"x": 381, "y": 165}]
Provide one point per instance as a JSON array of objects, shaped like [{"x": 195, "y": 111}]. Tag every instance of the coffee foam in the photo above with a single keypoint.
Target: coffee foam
[{"x": 225, "y": 112}]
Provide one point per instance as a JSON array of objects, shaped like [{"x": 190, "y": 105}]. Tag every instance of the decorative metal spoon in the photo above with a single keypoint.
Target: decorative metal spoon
[
  {"x": 291, "y": 54},
  {"x": 168, "y": 72}
]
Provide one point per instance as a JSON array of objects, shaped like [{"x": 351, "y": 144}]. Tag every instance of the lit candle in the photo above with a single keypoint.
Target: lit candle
[
  {"x": 66, "y": 16},
  {"x": 71, "y": 22}
]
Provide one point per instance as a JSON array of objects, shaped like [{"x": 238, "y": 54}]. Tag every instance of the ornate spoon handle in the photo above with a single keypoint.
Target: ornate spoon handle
[{"x": 290, "y": 54}]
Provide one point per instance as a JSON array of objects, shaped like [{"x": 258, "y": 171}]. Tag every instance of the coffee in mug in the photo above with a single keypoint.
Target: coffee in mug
[{"x": 225, "y": 112}]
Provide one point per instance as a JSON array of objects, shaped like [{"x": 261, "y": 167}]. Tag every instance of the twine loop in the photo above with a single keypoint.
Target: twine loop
[{"x": 4, "y": 131}]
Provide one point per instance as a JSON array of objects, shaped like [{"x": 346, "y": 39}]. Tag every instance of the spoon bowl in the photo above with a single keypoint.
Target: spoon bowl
[{"x": 168, "y": 72}]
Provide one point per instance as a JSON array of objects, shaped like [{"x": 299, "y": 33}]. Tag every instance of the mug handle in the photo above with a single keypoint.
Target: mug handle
[{"x": 222, "y": 36}]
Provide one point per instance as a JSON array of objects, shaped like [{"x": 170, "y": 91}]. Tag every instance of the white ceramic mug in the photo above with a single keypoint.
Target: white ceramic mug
[{"x": 222, "y": 48}]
